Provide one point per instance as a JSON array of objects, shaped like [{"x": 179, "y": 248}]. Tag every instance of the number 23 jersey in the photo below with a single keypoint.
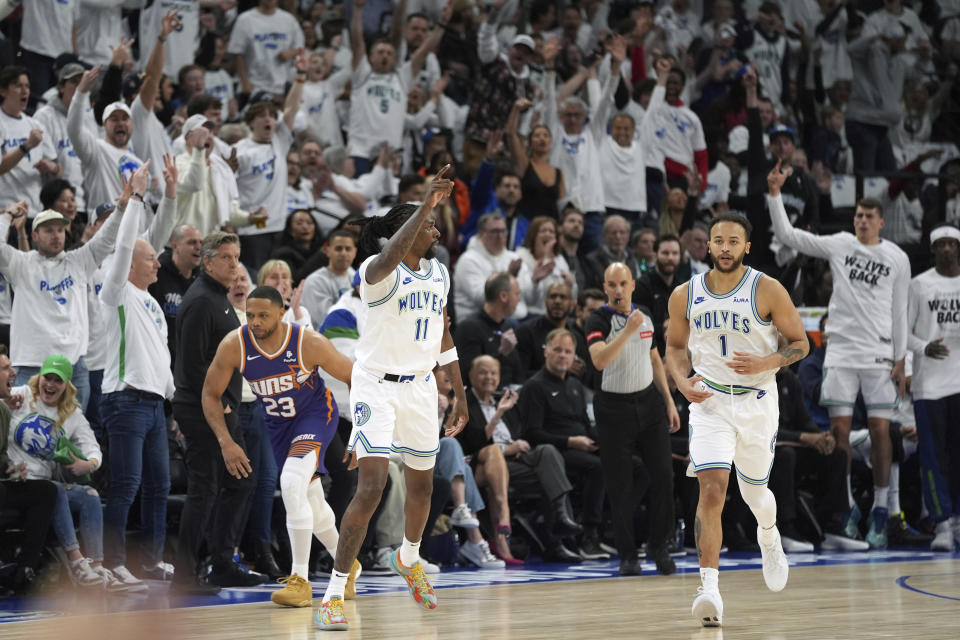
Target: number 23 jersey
[
  {"x": 723, "y": 324},
  {"x": 404, "y": 323}
]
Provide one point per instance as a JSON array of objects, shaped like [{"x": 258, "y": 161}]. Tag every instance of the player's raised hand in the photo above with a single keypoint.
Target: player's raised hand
[
  {"x": 237, "y": 462},
  {"x": 440, "y": 188},
  {"x": 690, "y": 390},
  {"x": 777, "y": 176},
  {"x": 457, "y": 419}
]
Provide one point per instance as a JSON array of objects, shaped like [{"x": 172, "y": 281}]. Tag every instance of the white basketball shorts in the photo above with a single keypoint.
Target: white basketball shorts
[{"x": 838, "y": 392}]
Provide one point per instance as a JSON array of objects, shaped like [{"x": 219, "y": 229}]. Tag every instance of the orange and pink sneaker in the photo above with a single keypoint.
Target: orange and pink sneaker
[
  {"x": 330, "y": 617},
  {"x": 416, "y": 579}
]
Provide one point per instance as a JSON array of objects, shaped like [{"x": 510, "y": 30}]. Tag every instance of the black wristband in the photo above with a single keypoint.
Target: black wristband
[
  {"x": 24, "y": 149},
  {"x": 137, "y": 195}
]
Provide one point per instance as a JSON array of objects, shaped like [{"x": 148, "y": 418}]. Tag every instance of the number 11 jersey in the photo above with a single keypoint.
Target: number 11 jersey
[
  {"x": 404, "y": 324},
  {"x": 723, "y": 324}
]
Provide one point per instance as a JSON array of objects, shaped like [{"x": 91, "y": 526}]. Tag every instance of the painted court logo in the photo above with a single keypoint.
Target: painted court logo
[{"x": 361, "y": 413}]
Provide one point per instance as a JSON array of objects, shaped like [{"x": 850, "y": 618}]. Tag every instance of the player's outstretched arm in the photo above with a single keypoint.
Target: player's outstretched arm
[
  {"x": 458, "y": 411},
  {"x": 214, "y": 384},
  {"x": 678, "y": 360},
  {"x": 318, "y": 351},
  {"x": 402, "y": 241},
  {"x": 774, "y": 302}
]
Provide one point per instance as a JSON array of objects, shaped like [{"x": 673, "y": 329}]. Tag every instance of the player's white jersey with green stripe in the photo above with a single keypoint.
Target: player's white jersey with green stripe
[
  {"x": 404, "y": 323},
  {"x": 723, "y": 324}
]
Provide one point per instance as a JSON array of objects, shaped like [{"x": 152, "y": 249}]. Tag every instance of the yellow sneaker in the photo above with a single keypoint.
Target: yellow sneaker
[
  {"x": 296, "y": 592},
  {"x": 350, "y": 590}
]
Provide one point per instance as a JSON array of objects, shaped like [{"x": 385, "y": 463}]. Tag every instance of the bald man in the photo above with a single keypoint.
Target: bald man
[{"x": 635, "y": 416}]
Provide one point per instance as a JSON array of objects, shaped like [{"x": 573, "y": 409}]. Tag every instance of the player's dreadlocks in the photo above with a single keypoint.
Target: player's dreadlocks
[{"x": 376, "y": 227}]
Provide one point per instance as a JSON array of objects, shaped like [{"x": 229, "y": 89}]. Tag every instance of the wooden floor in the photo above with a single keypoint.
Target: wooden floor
[{"x": 882, "y": 600}]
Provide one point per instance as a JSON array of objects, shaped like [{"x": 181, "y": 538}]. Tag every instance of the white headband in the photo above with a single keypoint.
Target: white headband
[{"x": 944, "y": 232}]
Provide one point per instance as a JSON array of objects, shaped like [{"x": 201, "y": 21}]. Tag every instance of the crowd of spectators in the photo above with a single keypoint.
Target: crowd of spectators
[{"x": 146, "y": 147}]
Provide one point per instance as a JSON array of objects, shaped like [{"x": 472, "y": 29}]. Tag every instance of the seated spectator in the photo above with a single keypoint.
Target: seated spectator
[
  {"x": 49, "y": 416},
  {"x": 323, "y": 288},
  {"x": 538, "y": 468},
  {"x": 540, "y": 181},
  {"x": 553, "y": 410},
  {"x": 806, "y": 456},
  {"x": 642, "y": 243},
  {"x": 277, "y": 274},
  {"x": 35, "y": 500},
  {"x": 299, "y": 241},
  {"x": 486, "y": 255},
  {"x": 489, "y": 331},
  {"x": 694, "y": 244},
  {"x": 616, "y": 237},
  {"x": 541, "y": 255},
  {"x": 569, "y": 235},
  {"x": 655, "y": 286},
  {"x": 299, "y": 189},
  {"x": 532, "y": 333}
]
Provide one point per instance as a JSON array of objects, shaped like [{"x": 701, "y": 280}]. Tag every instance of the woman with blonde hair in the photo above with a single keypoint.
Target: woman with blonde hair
[
  {"x": 48, "y": 425},
  {"x": 541, "y": 253},
  {"x": 277, "y": 274}
]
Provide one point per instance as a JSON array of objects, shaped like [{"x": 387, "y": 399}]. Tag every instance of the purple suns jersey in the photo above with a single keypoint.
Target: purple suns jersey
[{"x": 286, "y": 389}]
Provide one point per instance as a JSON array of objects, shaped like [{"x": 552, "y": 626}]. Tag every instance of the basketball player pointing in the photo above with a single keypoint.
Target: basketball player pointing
[
  {"x": 393, "y": 393},
  {"x": 280, "y": 362},
  {"x": 733, "y": 314}
]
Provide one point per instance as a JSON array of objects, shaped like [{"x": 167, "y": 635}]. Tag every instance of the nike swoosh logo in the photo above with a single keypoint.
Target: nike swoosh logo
[
  {"x": 225, "y": 311},
  {"x": 252, "y": 357},
  {"x": 554, "y": 394}
]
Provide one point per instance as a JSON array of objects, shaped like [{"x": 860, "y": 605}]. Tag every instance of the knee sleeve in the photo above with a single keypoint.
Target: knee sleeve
[
  {"x": 761, "y": 502},
  {"x": 294, "y": 484},
  {"x": 324, "y": 520}
]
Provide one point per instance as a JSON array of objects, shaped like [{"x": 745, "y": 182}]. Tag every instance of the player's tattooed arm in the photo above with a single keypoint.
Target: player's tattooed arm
[{"x": 790, "y": 353}]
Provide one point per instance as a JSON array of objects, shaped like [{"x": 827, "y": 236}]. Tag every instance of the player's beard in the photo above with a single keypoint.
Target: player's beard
[
  {"x": 266, "y": 332},
  {"x": 733, "y": 267},
  {"x": 431, "y": 252}
]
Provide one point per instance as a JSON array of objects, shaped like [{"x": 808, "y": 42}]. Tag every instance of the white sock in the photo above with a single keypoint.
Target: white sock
[
  {"x": 710, "y": 579},
  {"x": 880, "y": 496},
  {"x": 893, "y": 498},
  {"x": 300, "y": 540},
  {"x": 766, "y": 535},
  {"x": 850, "y": 500},
  {"x": 338, "y": 582},
  {"x": 409, "y": 552}
]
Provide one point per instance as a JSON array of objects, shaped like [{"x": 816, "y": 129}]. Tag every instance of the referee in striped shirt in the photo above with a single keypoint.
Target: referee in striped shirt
[{"x": 635, "y": 415}]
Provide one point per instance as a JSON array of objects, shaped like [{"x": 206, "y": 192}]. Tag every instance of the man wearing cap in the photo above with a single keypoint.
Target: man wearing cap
[
  {"x": 104, "y": 160},
  {"x": 50, "y": 309},
  {"x": 378, "y": 93},
  {"x": 933, "y": 319},
  {"x": 212, "y": 109},
  {"x": 800, "y": 195},
  {"x": 53, "y": 118},
  {"x": 208, "y": 187},
  {"x": 503, "y": 78},
  {"x": 28, "y": 154}
]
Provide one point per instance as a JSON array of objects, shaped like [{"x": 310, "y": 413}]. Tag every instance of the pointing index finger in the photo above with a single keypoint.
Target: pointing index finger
[{"x": 441, "y": 172}]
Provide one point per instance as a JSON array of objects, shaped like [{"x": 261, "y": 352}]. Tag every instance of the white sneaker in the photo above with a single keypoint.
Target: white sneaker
[
  {"x": 461, "y": 517},
  {"x": 943, "y": 537},
  {"x": 160, "y": 571},
  {"x": 478, "y": 553},
  {"x": 796, "y": 546},
  {"x": 429, "y": 568},
  {"x": 110, "y": 581},
  {"x": 83, "y": 575},
  {"x": 708, "y": 608},
  {"x": 834, "y": 542},
  {"x": 381, "y": 562},
  {"x": 127, "y": 581},
  {"x": 775, "y": 565}
]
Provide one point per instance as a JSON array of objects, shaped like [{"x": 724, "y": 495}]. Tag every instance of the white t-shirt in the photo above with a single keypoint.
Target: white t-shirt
[
  {"x": 378, "y": 104},
  {"x": 404, "y": 324},
  {"x": 322, "y": 289},
  {"x": 718, "y": 186},
  {"x": 99, "y": 26},
  {"x": 220, "y": 85},
  {"x": 6, "y": 300},
  {"x": 259, "y": 38},
  {"x": 53, "y": 118},
  {"x": 96, "y": 355},
  {"x": 48, "y": 26},
  {"x": 50, "y": 308},
  {"x": 149, "y": 138},
  {"x": 262, "y": 178},
  {"x": 904, "y": 219},
  {"x": 103, "y": 163},
  {"x": 681, "y": 28},
  {"x": 319, "y": 107},
  {"x": 676, "y": 133},
  {"x": 23, "y": 182},
  {"x": 135, "y": 327},
  {"x": 934, "y": 312},
  {"x": 624, "y": 175},
  {"x": 300, "y": 197},
  {"x": 181, "y": 43},
  {"x": 868, "y": 308}
]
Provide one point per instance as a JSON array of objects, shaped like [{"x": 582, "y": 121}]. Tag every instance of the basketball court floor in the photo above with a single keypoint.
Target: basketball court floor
[{"x": 890, "y": 594}]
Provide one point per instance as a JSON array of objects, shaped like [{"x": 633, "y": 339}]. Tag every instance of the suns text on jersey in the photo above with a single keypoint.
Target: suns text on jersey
[{"x": 273, "y": 385}]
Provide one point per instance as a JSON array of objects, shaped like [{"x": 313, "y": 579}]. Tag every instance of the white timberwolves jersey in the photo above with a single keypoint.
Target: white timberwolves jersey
[
  {"x": 404, "y": 323},
  {"x": 723, "y": 324}
]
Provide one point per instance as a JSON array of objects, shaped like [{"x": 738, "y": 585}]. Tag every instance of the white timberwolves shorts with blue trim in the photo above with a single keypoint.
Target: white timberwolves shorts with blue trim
[
  {"x": 395, "y": 417},
  {"x": 736, "y": 425}
]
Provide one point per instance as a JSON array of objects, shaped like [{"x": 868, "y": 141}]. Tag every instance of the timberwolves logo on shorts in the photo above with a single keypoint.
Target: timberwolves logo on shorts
[
  {"x": 37, "y": 435},
  {"x": 361, "y": 414}
]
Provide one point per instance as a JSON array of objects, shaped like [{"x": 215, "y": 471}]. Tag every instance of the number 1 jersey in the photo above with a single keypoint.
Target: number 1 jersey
[
  {"x": 723, "y": 324},
  {"x": 404, "y": 323},
  {"x": 286, "y": 389}
]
